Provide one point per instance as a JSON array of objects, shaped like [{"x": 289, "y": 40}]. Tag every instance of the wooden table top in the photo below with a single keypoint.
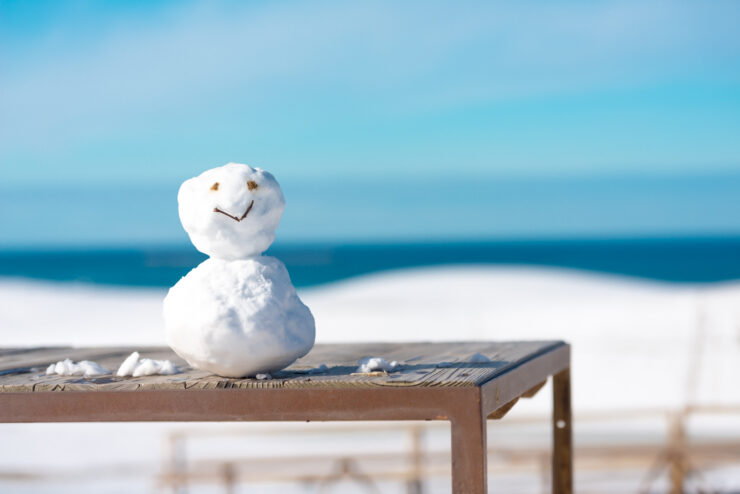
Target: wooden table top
[{"x": 420, "y": 365}]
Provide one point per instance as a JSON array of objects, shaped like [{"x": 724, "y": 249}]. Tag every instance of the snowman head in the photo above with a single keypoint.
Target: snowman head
[{"x": 231, "y": 212}]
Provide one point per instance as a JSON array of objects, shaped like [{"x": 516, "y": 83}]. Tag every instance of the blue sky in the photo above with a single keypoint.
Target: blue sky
[{"x": 140, "y": 94}]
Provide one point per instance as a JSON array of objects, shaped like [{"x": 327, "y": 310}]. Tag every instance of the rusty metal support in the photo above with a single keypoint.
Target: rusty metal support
[
  {"x": 562, "y": 448},
  {"x": 515, "y": 383},
  {"x": 469, "y": 450}
]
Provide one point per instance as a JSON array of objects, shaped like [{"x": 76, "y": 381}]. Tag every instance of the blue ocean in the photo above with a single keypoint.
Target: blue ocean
[
  {"x": 679, "y": 229},
  {"x": 685, "y": 259}
]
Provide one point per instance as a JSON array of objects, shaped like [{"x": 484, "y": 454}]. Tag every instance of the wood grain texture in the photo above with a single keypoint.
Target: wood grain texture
[{"x": 421, "y": 364}]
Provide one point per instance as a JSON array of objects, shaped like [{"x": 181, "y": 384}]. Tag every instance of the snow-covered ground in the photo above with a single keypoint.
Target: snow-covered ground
[{"x": 637, "y": 345}]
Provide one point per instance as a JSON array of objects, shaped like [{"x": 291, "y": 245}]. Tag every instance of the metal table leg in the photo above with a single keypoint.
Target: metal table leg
[
  {"x": 562, "y": 452},
  {"x": 469, "y": 462}
]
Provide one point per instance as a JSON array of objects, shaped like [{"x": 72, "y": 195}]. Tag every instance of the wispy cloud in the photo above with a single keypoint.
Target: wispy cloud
[{"x": 263, "y": 72}]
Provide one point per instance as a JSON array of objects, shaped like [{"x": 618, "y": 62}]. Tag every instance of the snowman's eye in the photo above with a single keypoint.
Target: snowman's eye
[
  {"x": 252, "y": 185},
  {"x": 214, "y": 186}
]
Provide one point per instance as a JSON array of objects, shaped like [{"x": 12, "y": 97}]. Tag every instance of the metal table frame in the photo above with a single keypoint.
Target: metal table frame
[{"x": 466, "y": 408}]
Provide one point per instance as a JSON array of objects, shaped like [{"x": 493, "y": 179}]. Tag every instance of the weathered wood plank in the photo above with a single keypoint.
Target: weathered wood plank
[{"x": 421, "y": 364}]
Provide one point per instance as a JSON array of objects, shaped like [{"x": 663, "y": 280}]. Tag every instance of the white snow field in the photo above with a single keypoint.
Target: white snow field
[{"x": 636, "y": 345}]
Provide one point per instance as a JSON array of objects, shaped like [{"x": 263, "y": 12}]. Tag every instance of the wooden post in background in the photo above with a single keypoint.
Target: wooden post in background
[{"x": 677, "y": 464}]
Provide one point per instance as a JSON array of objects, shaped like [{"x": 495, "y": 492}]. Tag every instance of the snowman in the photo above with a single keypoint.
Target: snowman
[{"x": 237, "y": 314}]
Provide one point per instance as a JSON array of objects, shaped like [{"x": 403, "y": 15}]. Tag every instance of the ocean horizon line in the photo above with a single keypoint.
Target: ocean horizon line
[
  {"x": 293, "y": 243},
  {"x": 681, "y": 259}
]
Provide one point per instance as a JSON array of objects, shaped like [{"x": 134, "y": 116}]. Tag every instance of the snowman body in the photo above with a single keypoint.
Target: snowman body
[{"x": 237, "y": 314}]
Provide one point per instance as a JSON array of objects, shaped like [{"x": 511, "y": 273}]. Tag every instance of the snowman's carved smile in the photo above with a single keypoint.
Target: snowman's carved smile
[{"x": 249, "y": 208}]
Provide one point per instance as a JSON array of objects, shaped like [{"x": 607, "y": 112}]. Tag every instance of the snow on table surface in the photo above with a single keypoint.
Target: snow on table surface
[{"x": 22, "y": 370}]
